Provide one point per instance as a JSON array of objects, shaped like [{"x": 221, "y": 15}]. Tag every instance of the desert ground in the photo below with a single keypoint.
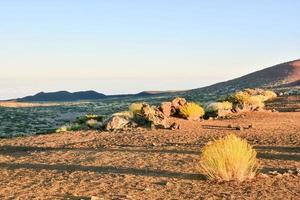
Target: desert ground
[{"x": 151, "y": 164}]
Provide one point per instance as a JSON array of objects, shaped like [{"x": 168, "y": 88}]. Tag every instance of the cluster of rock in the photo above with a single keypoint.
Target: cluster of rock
[{"x": 149, "y": 116}]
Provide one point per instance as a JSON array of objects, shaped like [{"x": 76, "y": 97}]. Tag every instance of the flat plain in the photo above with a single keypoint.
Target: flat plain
[{"x": 151, "y": 164}]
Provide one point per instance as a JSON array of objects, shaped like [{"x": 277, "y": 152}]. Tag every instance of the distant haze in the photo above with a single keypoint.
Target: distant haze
[{"x": 117, "y": 47}]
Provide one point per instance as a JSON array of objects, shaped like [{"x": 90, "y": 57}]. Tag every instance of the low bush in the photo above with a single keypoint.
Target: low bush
[
  {"x": 230, "y": 158},
  {"x": 191, "y": 110},
  {"x": 69, "y": 127},
  {"x": 216, "y": 106},
  {"x": 269, "y": 94},
  {"x": 136, "y": 108},
  {"x": 84, "y": 119}
]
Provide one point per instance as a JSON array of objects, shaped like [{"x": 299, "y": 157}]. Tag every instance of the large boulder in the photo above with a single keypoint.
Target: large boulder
[
  {"x": 178, "y": 102},
  {"x": 167, "y": 109},
  {"x": 154, "y": 116},
  {"x": 116, "y": 123}
]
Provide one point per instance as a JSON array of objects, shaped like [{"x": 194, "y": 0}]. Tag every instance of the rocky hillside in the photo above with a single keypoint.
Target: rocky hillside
[{"x": 278, "y": 76}]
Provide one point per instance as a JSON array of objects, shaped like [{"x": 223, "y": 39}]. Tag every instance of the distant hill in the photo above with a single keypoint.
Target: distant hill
[
  {"x": 275, "y": 77},
  {"x": 63, "y": 96}
]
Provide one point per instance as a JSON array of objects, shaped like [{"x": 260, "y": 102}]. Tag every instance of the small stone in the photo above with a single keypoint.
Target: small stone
[
  {"x": 273, "y": 172},
  {"x": 175, "y": 126},
  {"x": 264, "y": 175},
  {"x": 240, "y": 128},
  {"x": 230, "y": 126}
]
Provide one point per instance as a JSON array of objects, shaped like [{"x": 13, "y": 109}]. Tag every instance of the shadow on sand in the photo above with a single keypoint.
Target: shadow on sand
[
  {"x": 14, "y": 150},
  {"x": 103, "y": 170}
]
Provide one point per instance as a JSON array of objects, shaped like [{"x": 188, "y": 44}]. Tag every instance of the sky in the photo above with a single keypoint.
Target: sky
[{"x": 128, "y": 46}]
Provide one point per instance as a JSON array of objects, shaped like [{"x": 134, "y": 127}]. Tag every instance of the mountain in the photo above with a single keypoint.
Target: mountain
[
  {"x": 64, "y": 96},
  {"x": 275, "y": 77},
  {"x": 282, "y": 75}
]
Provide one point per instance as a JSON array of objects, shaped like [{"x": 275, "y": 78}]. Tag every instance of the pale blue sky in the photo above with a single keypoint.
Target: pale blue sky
[{"x": 129, "y": 46}]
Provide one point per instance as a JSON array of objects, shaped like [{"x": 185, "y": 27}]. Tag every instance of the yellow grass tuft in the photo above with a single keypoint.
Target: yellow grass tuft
[
  {"x": 191, "y": 110},
  {"x": 136, "y": 108},
  {"x": 269, "y": 94},
  {"x": 216, "y": 106},
  {"x": 230, "y": 158}
]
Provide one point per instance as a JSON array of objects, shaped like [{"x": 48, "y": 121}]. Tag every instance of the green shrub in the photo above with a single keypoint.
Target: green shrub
[
  {"x": 191, "y": 110},
  {"x": 230, "y": 158}
]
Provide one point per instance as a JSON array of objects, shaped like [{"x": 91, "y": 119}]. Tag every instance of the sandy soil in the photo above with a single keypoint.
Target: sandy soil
[{"x": 150, "y": 164}]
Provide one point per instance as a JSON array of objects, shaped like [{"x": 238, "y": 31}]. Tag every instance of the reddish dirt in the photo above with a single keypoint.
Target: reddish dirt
[{"x": 150, "y": 164}]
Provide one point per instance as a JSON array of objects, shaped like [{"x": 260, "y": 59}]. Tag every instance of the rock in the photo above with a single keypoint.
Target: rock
[
  {"x": 223, "y": 113},
  {"x": 178, "y": 102},
  {"x": 240, "y": 128},
  {"x": 230, "y": 126},
  {"x": 262, "y": 175},
  {"x": 167, "y": 109},
  {"x": 175, "y": 126},
  {"x": 154, "y": 116},
  {"x": 115, "y": 123}
]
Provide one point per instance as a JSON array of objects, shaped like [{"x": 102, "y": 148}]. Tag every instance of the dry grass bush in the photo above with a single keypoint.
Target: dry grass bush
[
  {"x": 230, "y": 158},
  {"x": 256, "y": 101},
  {"x": 216, "y": 106},
  {"x": 135, "y": 108},
  {"x": 269, "y": 94},
  {"x": 253, "y": 98},
  {"x": 191, "y": 110}
]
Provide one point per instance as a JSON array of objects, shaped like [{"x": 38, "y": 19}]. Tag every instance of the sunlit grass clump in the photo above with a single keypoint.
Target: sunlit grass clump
[
  {"x": 216, "y": 106},
  {"x": 192, "y": 111},
  {"x": 269, "y": 94},
  {"x": 136, "y": 108},
  {"x": 230, "y": 158}
]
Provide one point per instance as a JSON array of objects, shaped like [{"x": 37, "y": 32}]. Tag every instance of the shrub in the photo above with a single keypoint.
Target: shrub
[
  {"x": 92, "y": 123},
  {"x": 69, "y": 127},
  {"x": 216, "y": 106},
  {"x": 230, "y": 158},
  {"x": 191, "y": 110},
  {"x": 84, "y": 119},
  {"x": 269, "y": 94},
  {"x": 256, "y": 101},
  {"x": 241, "y": 97},
  {"x": 136, "y": 108}
]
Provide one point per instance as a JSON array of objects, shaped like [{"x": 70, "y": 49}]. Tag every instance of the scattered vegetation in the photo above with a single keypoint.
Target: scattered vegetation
[
  {"x": 216, "y": 106},
  {"x": 86, "y": 122},
  {"x": 191, "y": 110},
  {"x": 252, "y": 98},
  {"x": 69, "y": 127},
  {"x": 230, "y": 158}
]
